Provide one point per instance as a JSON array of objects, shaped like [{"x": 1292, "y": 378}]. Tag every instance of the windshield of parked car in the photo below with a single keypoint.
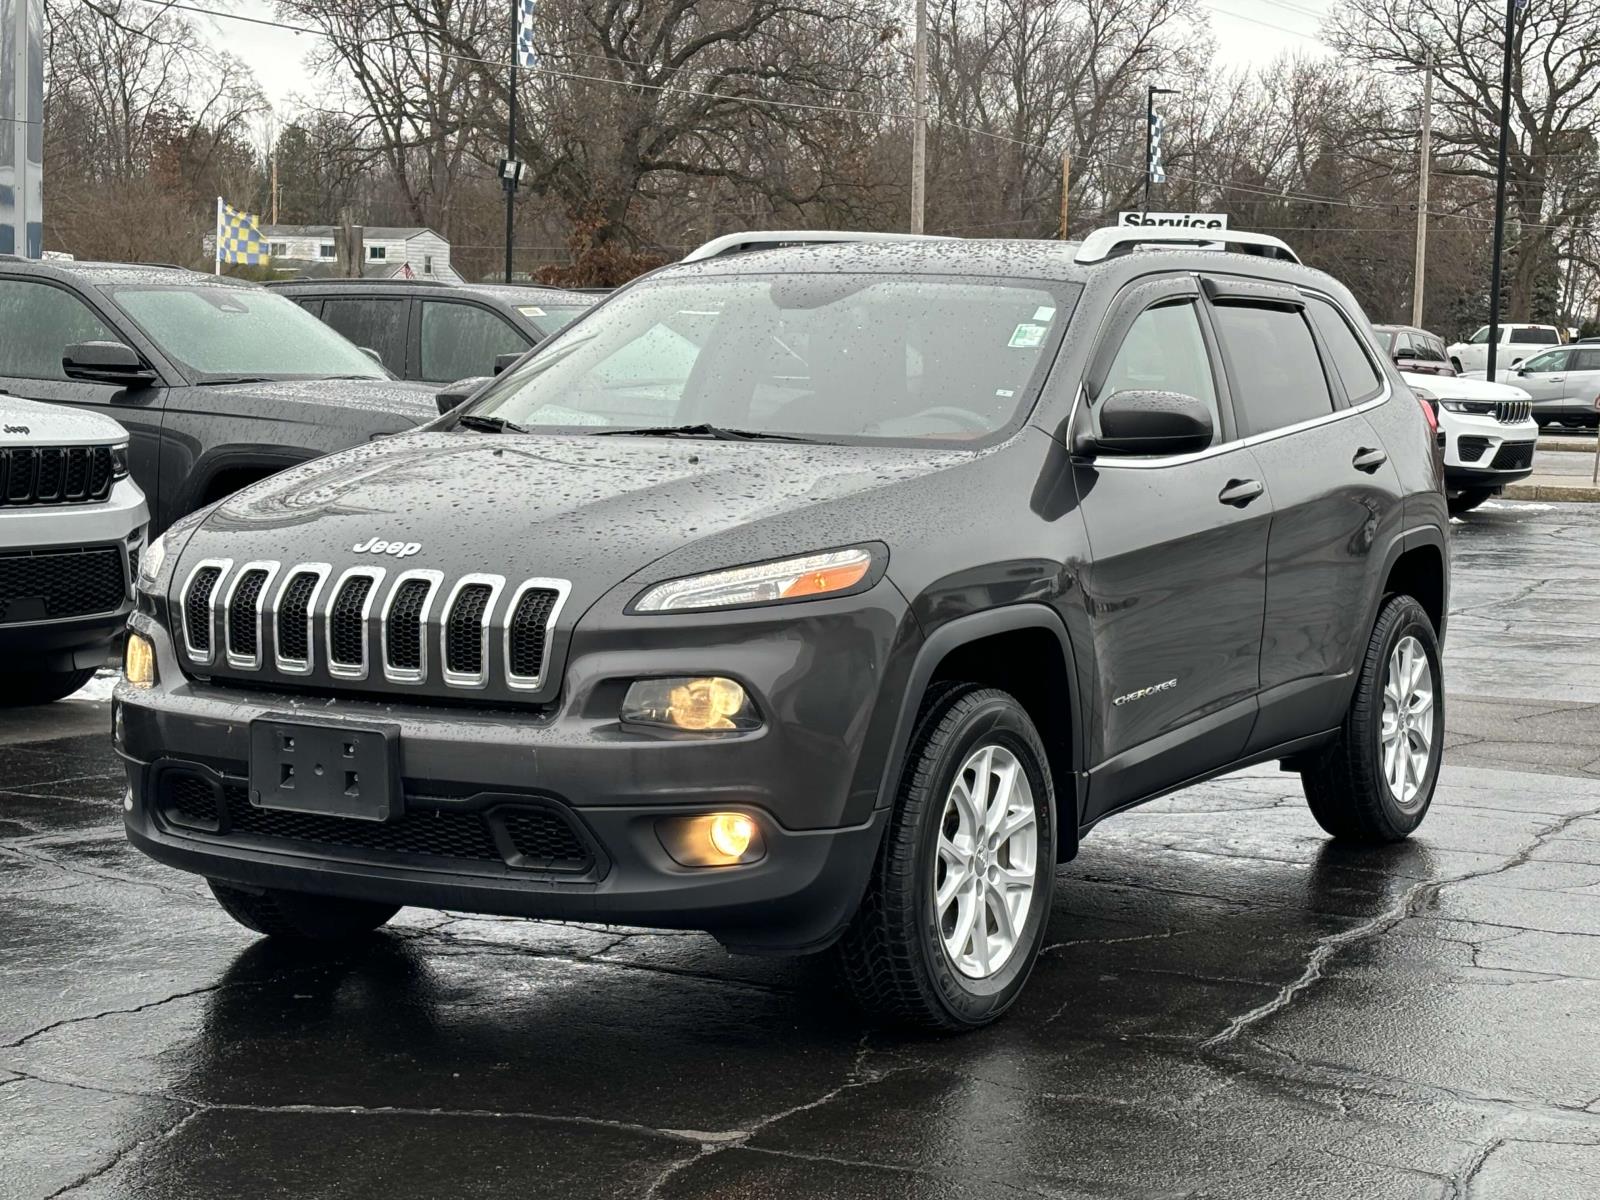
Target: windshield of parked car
[
  {"x": 547, "y": 318},
  {"x": 234, "y": 333},
  {"x": 825, "y": 357}
]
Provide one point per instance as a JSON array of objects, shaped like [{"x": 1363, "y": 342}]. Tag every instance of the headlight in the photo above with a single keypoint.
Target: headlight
[
  {"x": 150, "y": 563},
  {"x": 119, "y": 461},
  {"x": 706, "y": 705},
  {"x": 1468, "y": 406},
  {"x": 824, "y": 574},
  {"x": 139, "y": 661}
]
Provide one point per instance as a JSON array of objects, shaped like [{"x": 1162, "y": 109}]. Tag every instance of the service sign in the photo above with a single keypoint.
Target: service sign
[{"x": 1175, "y": 220}]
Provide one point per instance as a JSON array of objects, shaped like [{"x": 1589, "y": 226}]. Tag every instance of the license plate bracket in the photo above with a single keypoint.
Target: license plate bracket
[{"x": 332, "y": 770}]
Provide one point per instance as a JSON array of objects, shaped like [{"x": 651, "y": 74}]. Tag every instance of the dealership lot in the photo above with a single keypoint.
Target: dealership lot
[{"x": 1229, "y": 1005}]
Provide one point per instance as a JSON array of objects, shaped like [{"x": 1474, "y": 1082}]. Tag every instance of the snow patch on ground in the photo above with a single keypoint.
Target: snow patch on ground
[
  {"x": 1516, "y": 506},
  {"x": 98, "y": 690}
]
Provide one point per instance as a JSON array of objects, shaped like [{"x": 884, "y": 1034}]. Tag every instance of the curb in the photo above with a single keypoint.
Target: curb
[
  {"x": 1530, "y": 490},
  {"x": 1567, "y": 443}
]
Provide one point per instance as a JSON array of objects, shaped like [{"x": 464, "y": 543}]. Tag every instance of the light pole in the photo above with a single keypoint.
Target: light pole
[{"x": 1500, "y": 192}]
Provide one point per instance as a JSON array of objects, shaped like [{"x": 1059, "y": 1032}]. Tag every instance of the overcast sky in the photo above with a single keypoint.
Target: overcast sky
[{"x": 1247, "y": 32}]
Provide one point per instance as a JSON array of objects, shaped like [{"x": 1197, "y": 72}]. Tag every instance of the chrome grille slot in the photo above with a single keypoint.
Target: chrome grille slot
[
  {"x": 465, "y": 630},
  {"x": 405, "y": 625},
  {"x": 531, "y": 617},
  {"x": 242, "y": 614},
  {"x": 347, "y": 622},
  {"x": 294, "y": 618},
  {"x": 199, "y": 607}
]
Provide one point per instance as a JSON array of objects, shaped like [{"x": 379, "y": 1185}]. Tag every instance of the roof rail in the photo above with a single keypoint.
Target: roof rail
[
  {"x": 771, "y": 239},
  {"x": 325, "y": 280},
  {"x": 1119, "y": 239}
]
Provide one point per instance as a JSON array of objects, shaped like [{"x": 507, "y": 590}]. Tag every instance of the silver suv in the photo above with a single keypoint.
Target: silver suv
[
  {"x": 1564, "y": 384},
  {"x": 72, "y": 524}
]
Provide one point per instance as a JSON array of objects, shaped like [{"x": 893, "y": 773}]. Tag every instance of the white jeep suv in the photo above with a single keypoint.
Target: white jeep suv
[
  {"x": 1489, "y": 434},
  {"x": 72, "y": 524}
]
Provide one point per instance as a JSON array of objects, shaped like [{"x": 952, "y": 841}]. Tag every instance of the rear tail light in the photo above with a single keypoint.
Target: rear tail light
[{"x": 1430, "y": 408}]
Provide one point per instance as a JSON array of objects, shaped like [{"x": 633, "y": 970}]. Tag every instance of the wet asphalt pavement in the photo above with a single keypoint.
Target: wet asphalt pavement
[{"x": 1229, "y": 1005}]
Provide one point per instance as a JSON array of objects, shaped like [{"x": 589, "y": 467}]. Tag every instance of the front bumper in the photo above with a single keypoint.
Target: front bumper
[
  {"x": 805, "y": 776},
  {"x": 1483, "y": 452}
]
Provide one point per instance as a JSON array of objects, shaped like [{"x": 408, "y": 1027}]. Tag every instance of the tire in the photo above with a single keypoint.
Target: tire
[
  {"x": 1347, "y": 787},
  {"x": 1468, "y": 499},
  {"x": 43, "y": 687},
  {"x": 894, "y": 955},
  {"x": 300, "y": 916}
]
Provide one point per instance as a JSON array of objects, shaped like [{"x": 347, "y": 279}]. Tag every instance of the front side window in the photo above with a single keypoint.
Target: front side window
[
  {"x": 1350, "y": 361},
  {"x": 372, "y": 323},
  {"x": 461, "y": 340},
  {"x": 826, "y": 357},
  {"x": 547, "y": 318},
  {"x": 1550, "y": 360},
  {"x": 1481, "y": 338},
  {"x": 1274, "y": 369},
  {"x": 231, "y": 333},
  {"x": 39, "y": 322},
  {"x": 1165, "y": 351}
]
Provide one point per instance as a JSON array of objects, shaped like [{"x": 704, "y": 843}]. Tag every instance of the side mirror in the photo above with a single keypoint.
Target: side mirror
[
  {"x": 106, "y": 362},
  {"x": 1404, "y": 352},
  {"x": 504, "y": 362},
  {"x": 1136, "y": 422},
  {"x": 458, "y": 393}
]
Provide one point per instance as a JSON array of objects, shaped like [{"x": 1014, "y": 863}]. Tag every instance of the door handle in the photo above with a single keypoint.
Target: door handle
[
  {"x": 1555, "y": 379},
  {"x": 1368, "y": 459},
  {"x": 1240, "y": 492}
]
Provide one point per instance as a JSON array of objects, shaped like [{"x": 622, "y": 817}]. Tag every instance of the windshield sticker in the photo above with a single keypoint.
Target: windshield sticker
[
  {"x": 529, "y": 310},
  {"x": 1026, "y": 337},
  {"x": 1043, "y": 313}
]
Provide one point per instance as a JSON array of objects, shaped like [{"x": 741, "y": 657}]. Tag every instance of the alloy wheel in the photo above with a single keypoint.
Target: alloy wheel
[
  {"x": 988, "y": 855},
  {"x": 1406, "y": 735}
]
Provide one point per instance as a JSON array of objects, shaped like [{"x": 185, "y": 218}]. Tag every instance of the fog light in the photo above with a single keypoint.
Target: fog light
[
  {"x": 710, "y": 704},
  {"x": 712, "y": 839},
  {"x": 139, "y": 661}
]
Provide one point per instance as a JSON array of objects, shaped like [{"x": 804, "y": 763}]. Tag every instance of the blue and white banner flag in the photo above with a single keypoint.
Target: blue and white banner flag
[
  {"x": 525, "y": 56},
  {"x": 1158, "y": 172}
]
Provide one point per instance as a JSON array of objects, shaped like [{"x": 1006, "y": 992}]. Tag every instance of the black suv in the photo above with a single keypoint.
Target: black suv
[
  {"x": 218, "y": 382},
  {"x": 438, "y": 332},
  {"x": 815, "y": 597}
]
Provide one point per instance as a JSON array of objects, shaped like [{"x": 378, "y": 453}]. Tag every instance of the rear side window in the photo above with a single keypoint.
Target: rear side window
[
  {"x": 39, "y": 322},
  {"x": 1360, "y": 378},
  {"x": 1587, "y": 360},
  {"x": 1534, "y": 335},
  {"x": 1164, "y": 351},
  {"x": 1431, "y": 349},
  {"x": 1273, "y": 367},
  {"x": 462, "y": 340},
  {"x": 372, "y": 324}
]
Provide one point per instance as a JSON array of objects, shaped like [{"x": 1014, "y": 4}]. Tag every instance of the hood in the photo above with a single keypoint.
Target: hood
[
  {"x": 592, "y": 510},
  {"x": 395, "y": 397},
  {"x": 1463, "y": 387},
  {"x": 30, "y": 423}
]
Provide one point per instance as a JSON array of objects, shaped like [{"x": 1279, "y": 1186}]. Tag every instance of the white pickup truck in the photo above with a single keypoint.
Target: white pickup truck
[
  {"x": 1517, "y": 342},
  {"x": 72, "y": 524}
]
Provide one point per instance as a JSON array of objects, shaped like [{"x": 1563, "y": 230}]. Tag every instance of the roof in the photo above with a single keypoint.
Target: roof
[
  {"x": 371, "y": 233},
  {"x": 101, "y": 274},
  {"x": 507, "y": 293}
]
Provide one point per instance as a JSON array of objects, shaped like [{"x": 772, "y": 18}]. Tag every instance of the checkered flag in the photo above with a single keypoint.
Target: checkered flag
[
  {"x": 239, "y": 238},
  {"x": 1158, "y": 172},
  {"x": 525, "y": 56}
]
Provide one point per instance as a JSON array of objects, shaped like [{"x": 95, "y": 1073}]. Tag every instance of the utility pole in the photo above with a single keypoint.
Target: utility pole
[
  {"x": 919, "y": 119},
  {"x": 1500, "y": 194},
  {"x": 1422, "y": 193},
  {"x": 1066, "y": 184},
  {"x": 274, "y": 186}
]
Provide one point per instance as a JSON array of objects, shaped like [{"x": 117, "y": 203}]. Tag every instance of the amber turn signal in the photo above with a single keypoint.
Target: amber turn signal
[{"x": 139, "y": 661}]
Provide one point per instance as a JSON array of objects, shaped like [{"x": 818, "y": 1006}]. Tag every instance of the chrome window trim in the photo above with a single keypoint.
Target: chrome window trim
[
  {"x": 435, "y": 581},
  {"x": 342, "y": 670},
  {"x": 1171, "y": 460},
  {"x": 295, "y": 666},
  {"x": 239, "y": 661},
  {"x": 224, "y": 565},
  {"x": 562, "y": 588},
  {"x": 461, "y": 678}
]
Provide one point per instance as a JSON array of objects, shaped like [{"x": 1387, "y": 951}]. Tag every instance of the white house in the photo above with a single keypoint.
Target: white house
[{"x": 388, "y": 250}]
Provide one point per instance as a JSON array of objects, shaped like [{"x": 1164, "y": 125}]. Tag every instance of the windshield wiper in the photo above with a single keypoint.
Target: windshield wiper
[
  {"x": 237, "y": 379},
  {"x": 489, "y": 424},
  {"x": 713, "y": 432}
]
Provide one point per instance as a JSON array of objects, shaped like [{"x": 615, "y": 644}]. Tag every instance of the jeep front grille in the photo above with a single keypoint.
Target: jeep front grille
[
  {"x": 46, "y": 585},
  {"x": 54, "y": 475},
  {"x": 367, "y": 624},
  {"x": 1510, "y": 412}
]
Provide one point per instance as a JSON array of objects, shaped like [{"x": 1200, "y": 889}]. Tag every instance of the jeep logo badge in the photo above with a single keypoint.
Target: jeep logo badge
[
  {"x": 398, "y": 549},
  {"x": 16, "y": 429}
]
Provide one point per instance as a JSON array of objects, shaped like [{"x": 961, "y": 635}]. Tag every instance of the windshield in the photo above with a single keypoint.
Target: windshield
[
  {"x": 222, "y": 333},
  {"x": 547, "y": 318},
  {"x": 828, "y": 357}
]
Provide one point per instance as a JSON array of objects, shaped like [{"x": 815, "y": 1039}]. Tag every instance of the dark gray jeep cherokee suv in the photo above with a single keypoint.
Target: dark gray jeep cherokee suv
[{"x": 815, "y": 597}]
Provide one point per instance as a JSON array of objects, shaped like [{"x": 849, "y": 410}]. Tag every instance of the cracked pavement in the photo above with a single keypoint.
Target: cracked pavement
[{"x": 1228, "y": 1006}]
